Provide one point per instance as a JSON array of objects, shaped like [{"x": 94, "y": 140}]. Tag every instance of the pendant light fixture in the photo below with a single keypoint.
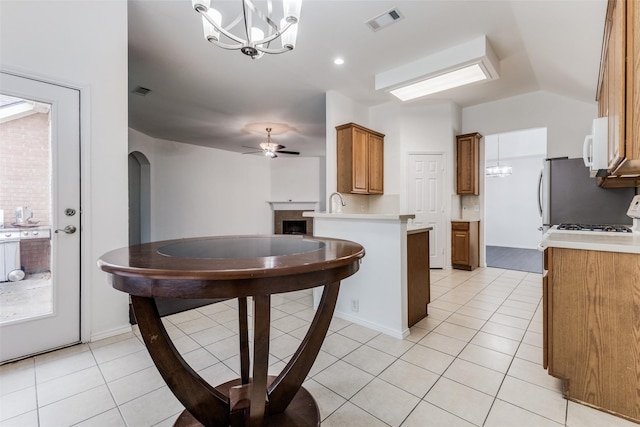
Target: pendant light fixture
[
  {"x": 498, "y": 171},
  {"x": 252, "y": 31}
]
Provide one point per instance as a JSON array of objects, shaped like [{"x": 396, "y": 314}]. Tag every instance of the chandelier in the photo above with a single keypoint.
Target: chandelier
[
  {"x": 269, "y": 147},
  {"x": 498, "y": 171},
  {"x": 252, "y": 31}
]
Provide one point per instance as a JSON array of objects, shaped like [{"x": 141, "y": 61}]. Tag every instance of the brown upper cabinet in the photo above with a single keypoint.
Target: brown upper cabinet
[
  {"x": 360, "y": 160},
  {"x": 468, "y": 164},
  {"x": 618, "y": 92}
]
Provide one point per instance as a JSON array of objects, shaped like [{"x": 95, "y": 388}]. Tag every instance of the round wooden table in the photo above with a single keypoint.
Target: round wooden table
[{"x": 236, "y": 267}]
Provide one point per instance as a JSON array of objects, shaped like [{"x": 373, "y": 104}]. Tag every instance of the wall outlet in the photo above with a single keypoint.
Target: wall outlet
[
  {"x": 355, "y": 305},
  {"x": 476, "y": 208}
]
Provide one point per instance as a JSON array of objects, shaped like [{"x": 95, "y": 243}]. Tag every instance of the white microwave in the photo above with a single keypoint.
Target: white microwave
[{"x": 595, "y": 148}]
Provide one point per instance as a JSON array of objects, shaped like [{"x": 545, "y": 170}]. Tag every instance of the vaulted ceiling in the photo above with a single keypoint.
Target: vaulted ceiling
[{"x": 204, "y": 95}]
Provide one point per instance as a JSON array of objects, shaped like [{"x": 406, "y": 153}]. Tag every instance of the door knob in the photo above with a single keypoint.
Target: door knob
[{"x": 69, "y": 229}]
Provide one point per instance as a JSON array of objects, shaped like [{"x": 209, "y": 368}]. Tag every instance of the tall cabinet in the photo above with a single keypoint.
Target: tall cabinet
[
  {"x": 360, "y": 160},
  {"x": 468, "y": 164},
  {"x": 619, "y": 92}
]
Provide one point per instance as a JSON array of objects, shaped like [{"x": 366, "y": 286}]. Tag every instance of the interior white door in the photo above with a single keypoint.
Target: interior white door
[
  {"x": 426, "y": 200},
  {"x": 59, "y": 325}
]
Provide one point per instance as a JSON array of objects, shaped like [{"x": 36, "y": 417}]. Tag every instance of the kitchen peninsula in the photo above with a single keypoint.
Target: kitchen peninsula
[
  {"x": 391, "y": 290},
  {"x": 591, "y": 323}
]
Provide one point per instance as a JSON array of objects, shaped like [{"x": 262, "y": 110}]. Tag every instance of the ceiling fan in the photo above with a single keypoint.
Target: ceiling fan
[{"x": 271, "y": 149}]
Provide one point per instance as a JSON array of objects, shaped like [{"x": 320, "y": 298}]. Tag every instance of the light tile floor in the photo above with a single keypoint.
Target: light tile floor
[{"x": 475, "y": 361}]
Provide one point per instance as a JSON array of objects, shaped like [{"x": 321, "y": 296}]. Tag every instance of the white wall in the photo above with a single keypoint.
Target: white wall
[
  {"x": 408, "y": 129},
  {"x": 63, "y": 42},
  {"x": 297, "y": 179},
  {"x": 567, "y": 120},
  {"x": 511, "y": 212},
  {"x": 340, "y": 110},
  {"x": 199, "y": 191},
  {"x": 380, "y": 285},
  {"x": 428, "y": 129}
]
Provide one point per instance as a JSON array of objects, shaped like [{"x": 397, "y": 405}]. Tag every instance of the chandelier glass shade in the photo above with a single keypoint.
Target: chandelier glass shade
[
  {"x": 269, "y": 147},
  {"x": 253, "y": 31},
  {"x": 498, "y": 171}
]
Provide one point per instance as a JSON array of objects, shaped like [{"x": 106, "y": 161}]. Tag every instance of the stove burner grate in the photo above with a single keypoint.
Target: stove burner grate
[{"x": 595, "y": 227}]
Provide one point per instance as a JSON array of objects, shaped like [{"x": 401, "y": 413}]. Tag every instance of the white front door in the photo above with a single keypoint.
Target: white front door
[
  {"x": 426, "y": 200},
  {"x": 40, "y": 124}
]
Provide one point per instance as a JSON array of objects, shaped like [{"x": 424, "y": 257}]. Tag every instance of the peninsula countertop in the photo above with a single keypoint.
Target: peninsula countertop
[
  {"x": 361, "y": 216},
  {"x": 591, "y": 240}
]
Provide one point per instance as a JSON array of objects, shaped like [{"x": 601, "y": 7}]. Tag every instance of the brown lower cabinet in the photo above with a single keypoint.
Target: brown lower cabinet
[
  {"x": 465, "y": 249},
  {"x": 591, "y": 327},
  {"x": 418, "y": 275}
]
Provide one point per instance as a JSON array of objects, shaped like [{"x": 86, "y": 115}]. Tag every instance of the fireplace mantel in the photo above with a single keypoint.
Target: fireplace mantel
[{"x": 291, "y": 205}]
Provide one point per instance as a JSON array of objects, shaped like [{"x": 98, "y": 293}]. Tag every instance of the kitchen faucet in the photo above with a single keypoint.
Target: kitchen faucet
[{"x": 342, "y": 202}]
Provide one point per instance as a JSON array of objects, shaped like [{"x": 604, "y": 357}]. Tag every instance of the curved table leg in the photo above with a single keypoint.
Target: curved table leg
[
  {"x": 206, "y": 404},
  {"x": 243, "y": 333},
  {"x": 261, "y": 326},
  {"x": 287, "y": 384}
]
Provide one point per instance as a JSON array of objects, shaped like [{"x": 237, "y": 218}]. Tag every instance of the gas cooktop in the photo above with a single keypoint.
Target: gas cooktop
[{"x": 594, "y": 227}]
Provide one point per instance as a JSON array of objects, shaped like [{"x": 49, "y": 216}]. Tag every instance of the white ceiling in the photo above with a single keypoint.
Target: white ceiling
[{"x": 204, "y": 95}]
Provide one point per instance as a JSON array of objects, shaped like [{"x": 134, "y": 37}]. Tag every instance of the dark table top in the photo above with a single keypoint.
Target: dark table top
[{"x": 190, "y": 264}]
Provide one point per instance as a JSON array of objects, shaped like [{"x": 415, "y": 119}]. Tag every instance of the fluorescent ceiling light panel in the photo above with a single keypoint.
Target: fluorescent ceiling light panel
[
  {"x": 461, "y": 77},
  {"x": 460, "y": 65}
]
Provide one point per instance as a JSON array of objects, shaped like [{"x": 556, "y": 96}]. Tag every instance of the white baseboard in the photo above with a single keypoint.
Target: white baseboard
[
  {"x": 110, "y": 333},
  {"x": 395, "y": 333}
]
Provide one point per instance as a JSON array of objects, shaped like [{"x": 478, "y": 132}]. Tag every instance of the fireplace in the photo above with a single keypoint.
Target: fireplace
[
  {"x": 294, "y": 226},
  {"x": 292, "y": 222},
  {"x": 288, "y": 219}
]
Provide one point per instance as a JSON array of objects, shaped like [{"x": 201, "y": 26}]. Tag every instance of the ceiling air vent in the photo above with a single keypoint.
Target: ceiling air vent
[
  {"x": 384, "y": 19},
  {"x": 142, "y": 91}
]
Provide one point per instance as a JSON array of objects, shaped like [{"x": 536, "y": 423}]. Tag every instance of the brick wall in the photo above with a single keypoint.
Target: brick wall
[
  {"x": 35, "y": 255},
  {"x": 25, "y": 167},
  {"x": 25, "y": 176}
]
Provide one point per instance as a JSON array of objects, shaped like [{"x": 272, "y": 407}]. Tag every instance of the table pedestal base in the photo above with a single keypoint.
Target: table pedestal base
[{"x": 301, "y": 412}]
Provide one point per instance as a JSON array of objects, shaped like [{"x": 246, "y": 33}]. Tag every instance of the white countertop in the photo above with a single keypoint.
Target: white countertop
[
  {"x": 592, "y": 241},
  {"x": 360, "y": 216}
]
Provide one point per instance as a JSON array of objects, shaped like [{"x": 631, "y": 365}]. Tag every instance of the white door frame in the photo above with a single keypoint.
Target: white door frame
[
  {"x": 446, "y": 200},
  {"x": 85, "y": 187}
]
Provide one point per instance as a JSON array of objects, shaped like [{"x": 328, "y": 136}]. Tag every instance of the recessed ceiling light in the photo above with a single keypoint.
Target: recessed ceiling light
[{"x": 338, "y": 61}]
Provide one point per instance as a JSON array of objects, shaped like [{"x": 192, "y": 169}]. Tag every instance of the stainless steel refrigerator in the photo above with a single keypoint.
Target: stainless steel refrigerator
[{"x": 568, "y": 195}]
